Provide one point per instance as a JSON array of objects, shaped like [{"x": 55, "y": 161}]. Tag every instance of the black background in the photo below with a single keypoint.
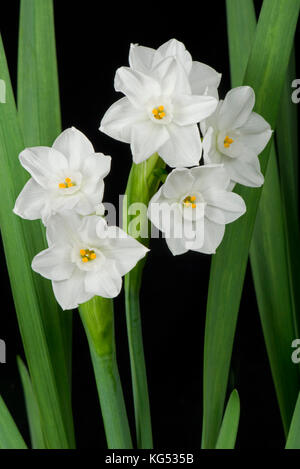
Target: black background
[{"x": 92, "y": 42}]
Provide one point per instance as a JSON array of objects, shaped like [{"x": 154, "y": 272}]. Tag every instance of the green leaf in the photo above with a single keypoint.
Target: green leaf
[
  {"x": 32, "y": 408},
  {"x": 265, "y": 72},
  {"x": 241, "y": 27},
  {"x": 97, "y": 316},
  {"x": 38, "y": 90},
  {"x": 287, "y": 150},
  {"x": 269, "y": 254},
  {"x": 39, "y": 117},
  {"x": 21, "y": 239},
  {"x": 230, "y": 423},
  {"x": 10, "y": 437},
  {"x": 293, "y": 439}
]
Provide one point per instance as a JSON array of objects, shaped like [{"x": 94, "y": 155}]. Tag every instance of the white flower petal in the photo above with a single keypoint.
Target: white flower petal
[
  {"x": 90, "y": 198},
  {"x": 213, "y": 235},
  {"x": 63, "y": 228},
  {"x": 137, "y": 86},
  {"x": 178, "y": 183},
  {"x": 54, "y": 263},
  {"x": 88, "y": 231},
  {"x": 193, "y": 109},
  {"x": 208, "y": 176},
  {"x": 147, "y": 138},
  {"x": 141, "y": 58},
  {"x": 231, "y": 205},
  {"x": 212, "y": 120},
  {"x": 212, "y": 157},
  {"x": 62, "y": 203},
  {"x": 204, "y": 78},
  {"x": 172, "y": 77},
  {"x": 43, "y": 163},
  {"x": 74, "y": 145},
  {"x": 96, "y": 166},
  {"x": 236, "y": 108},
  {"x": 107, "y": 282},
  {"x": 210, "y": 153},
  {"x": 155, "y": 207},
  {"x": 71, "y": 293},
  {"x": 31, "y": 202},
  {"x": 256, "y": 133},
  {"x": 123, "y": 249},
  {"x": 174, "y": 48},
  {"x": 245, "y": 170},
  {"x": 183, "y": 147},
  {"x": 176, "y": 246},
  {"x": 119, "y": 119},
  {"x": 194, "y": 237}
]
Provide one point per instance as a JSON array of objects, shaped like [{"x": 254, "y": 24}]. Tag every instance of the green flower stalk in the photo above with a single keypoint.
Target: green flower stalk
[
  {"x": 97, "y": 316},
  {"x": 142, "y": 184}
]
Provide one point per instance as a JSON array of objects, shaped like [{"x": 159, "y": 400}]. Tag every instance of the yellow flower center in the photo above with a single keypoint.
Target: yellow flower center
[
  {"x": 228, "y": 141},
  {"x": 87, "y": 255},
  {"x": 158, "y": 112},
  {"x": 65, "y": 185},
  {"x": 189, "y": 201}
]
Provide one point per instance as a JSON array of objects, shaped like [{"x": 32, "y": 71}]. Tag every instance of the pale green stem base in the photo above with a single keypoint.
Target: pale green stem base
[{"x": 98, "y": 320}]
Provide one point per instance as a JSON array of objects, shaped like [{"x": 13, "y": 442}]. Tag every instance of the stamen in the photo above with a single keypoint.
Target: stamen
[
  {"x": 189, "y": 201},
  {"x": 65, "y": 185},
  {"x": 87, "y": 255},
  {"x": 158, "y": 112},
  {"x": 228, "y": 141}
]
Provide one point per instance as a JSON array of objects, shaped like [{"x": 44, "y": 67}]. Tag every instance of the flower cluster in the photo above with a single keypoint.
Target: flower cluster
[
  {"x": 85, "y": 257},
  {"x": 170, "y": 107},
  {"x": 168, "y": 99}
]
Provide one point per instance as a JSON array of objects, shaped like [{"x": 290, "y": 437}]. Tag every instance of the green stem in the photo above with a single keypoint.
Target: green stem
[
  {"x": 143, "y": 182},
  {"x": 97, "y": 316},
  {"x": 137, "y": 359}
]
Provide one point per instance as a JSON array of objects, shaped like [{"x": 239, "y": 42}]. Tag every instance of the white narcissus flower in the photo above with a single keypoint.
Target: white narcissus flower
[
  {"x": 234, "y": 136},
  {"x": 67, "y": 176},
  {"x": 86, "y": 258},
  {"x": 203, "y": 79},
  {"x": 159, "y": 113},
  {"x": 192, "y": 208}
]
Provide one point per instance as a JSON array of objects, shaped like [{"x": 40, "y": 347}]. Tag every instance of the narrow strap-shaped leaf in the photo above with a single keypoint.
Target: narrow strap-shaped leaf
[
  {"x": 39, "y": 116},
  {"x": 288, "y": 142},
  {"x": 241, "y": 27},
  {"x": 97, "y": 316},
  {"x": 287, "y": 151},
  {"x": 269, "y": 254},
  {"x": 20, "y": 239},
  {"x": 38, "y": 91},
  {"x": 32, "y": 408},
  {"x": 230, "y": 423},
  {"x": 10, "y": 437},
  {"x": 293, "y": 439},
  {"x": 265, "y": 72}
]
